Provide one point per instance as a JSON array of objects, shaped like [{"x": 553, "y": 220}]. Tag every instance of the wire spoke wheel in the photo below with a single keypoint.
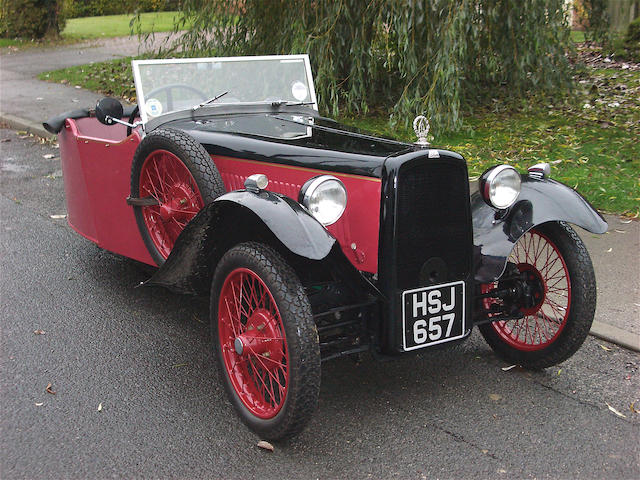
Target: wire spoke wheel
[
  {"x": 173, "y": 168},
  {"x": 253, "y": 343},
  {"x": 537, "y": 256},
  {"x": 164, "y": 177},
  {"x": 557, "y": 300},
  {"x": 265, "y": 339}
]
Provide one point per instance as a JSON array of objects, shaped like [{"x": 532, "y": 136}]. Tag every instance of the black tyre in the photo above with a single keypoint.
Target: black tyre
[
  {"x": 266, "y": 340},
  {"x": 561, "y": 277},
  {"x": 174, "y": 169}
]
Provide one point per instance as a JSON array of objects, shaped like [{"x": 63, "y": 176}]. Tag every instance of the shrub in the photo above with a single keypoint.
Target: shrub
[
  {"x": 95, "y": 8},
  {"x": 30, "y": 18}
]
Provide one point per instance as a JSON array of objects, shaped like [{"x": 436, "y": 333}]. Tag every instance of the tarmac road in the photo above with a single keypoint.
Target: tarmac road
[{"x": 144, "y": 355}]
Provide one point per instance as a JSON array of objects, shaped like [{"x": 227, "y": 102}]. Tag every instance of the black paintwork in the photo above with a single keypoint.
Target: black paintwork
[
  {"x": 540, "y": 201},
  {"x": 232, "y": 218},
  {"x": 391, "y": 327},
  {"x": 289, "y": 139}
]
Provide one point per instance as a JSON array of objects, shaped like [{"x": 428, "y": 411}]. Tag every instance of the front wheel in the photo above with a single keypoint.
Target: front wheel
[
  {"x": 561, "y": 299},
  {"x": 266, "y": 340}
]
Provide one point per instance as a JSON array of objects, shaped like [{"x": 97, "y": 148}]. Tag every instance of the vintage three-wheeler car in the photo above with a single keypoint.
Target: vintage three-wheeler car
[{"x": 315, "y": 240}]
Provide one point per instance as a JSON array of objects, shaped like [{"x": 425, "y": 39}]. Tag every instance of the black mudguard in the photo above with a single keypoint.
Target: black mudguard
[
  {"x": 235, "y": 217},
  {"x": 540, "y": 201}
]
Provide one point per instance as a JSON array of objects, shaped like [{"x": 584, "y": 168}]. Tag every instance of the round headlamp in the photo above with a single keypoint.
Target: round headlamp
[
  {"x": 500, "y": 186},
  {"x": 325, "y": 197}
]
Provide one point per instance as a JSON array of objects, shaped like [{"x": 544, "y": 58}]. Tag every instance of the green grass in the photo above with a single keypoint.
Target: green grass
[
  {"x": 11, "y": 42},
  {"x": 577, "y": 36},
  {"x": 594, "y": 149},
  {"x": 117, "y": 25},
  {"x": 88, "y": 28}
]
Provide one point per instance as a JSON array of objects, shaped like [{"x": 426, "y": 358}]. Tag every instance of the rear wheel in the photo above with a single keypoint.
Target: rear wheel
[
  {"x": 173, "y": 171},
  {"x": 560, "y": 288},
  {"x": 266, "y": 340}
]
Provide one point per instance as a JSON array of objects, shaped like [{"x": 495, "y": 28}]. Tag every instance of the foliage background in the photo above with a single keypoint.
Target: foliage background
[
  {"x": 438, "y": 57},
  {"x": 31, "y": 18},
  {"x": 91, "y": 8}
]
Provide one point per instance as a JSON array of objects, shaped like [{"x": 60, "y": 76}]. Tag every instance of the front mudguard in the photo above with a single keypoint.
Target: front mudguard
[
  {"x": 243, "y": 216},
  {"x": 541, "y": 200}
]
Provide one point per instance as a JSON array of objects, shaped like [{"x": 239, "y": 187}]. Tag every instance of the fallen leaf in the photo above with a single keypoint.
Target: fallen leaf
[
  {"x": 559, "y": 372},
  {"x": 633, "y": 408},
  {"x": 495, "y": 397},
  {"x": 485, "y": 451},
  {"x": 48, "y": 156},
  {"x": 265, "y": 445},
  {"x": 100, "y": 407},
  {"x": 606, "y": 349},
  {"x": 178, "y": 365},
  {"x": 5, "y": 140},
  {"x": 39, "y": 404},
  {"x": 625, "y": 221},
  {"x": 39, "y": 332},
  {"x": 58, "y": 216},
  {"x": 506, "y": 369},
  {"x": 620, "y": 231},
  {"x": 610, "y": 250},
  {"x": 48, "y": 390},
  {"x": 616, "y": 411}
]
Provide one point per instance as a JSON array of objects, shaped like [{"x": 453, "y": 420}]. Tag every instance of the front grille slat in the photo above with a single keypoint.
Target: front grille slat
[{"x": 433, "y": 237}]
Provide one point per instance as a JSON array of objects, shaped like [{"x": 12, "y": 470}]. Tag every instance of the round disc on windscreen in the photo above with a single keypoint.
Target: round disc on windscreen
[
  {"x": 153, "y": 107},
  {"x": 299, "y": 91}
]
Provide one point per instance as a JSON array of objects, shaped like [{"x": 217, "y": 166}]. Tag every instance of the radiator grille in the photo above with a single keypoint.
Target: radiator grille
[{"x": 433, "y": 234}]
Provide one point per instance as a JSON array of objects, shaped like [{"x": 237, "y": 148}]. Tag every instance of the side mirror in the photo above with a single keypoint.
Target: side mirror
[{"x": 108, "y": 110}]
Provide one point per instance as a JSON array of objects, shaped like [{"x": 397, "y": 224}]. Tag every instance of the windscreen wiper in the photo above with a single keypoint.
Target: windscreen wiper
[
  {"x": 211, "y": 100},
  {"x": 287, "y": 103}
]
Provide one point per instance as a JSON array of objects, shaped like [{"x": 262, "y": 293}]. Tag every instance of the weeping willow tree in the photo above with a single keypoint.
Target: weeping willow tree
[{"x": 437, "y": 57}]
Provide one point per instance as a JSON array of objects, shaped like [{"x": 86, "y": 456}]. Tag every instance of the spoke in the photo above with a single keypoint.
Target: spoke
[
  {"x": 160, "y": 181},
  {"x": 266, "y": 369},
  {"x": 257, "y": 374},
  {"x": 233, "y": 328}
]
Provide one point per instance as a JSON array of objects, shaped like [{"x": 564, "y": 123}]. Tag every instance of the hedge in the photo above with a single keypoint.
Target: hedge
[{"x": 96, "y": 8}]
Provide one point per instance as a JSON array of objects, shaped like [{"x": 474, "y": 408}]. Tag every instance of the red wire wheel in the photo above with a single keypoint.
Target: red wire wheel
[
  {"x": 168, "y": 180},
  {"x": 547, "y": 271},
  {"x": 266, "y": 340},
  {"x": 562, "y": 293},
  {"x": 176, "y": 175},
  {"x": 253, "y": 343}
]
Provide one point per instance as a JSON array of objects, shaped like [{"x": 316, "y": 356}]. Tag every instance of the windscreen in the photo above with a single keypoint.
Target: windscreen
[{"x": 170, "y": 85}]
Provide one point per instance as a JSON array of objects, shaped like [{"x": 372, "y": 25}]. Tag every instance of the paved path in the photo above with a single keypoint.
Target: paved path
[
  {"x": 25, "y": 98},
  {"x": 25, "y": 102}
]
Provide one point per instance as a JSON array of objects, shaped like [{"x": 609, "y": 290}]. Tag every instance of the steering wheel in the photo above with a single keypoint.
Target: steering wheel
[{"x": 175, "y": 86}]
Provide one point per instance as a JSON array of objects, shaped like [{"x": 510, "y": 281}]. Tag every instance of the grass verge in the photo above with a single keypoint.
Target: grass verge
[
  {"x": 117, "y": 25},
  {"x": 590, "y": 139},
  {"x": 88, "y": 28}
]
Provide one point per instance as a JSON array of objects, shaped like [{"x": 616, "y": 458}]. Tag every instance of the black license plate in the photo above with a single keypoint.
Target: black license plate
[{"x": 433, "y": 315}]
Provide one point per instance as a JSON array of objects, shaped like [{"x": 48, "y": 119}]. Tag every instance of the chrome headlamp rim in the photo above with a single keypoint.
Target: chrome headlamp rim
[
  {"x": 310, "y": 187},
  {"x": 488, "y": 179}
]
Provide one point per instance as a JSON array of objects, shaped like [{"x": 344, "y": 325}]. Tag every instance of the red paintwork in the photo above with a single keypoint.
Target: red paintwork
[
  {"x": 359, "y": 223},
  {"x": 536, "y": 254},
  {"x": 166, "y": 178},
  {"x": 96, "y": 166},
  {"x": 247, "y": 312}
]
